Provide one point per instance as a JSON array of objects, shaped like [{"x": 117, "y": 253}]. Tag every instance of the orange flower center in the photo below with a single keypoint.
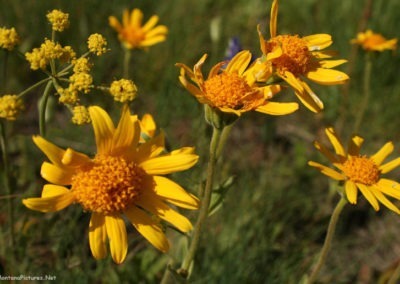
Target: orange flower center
[
  {"x": 110, "y": 185},
  {"x": 229, "y": 90},
  {"x": 133, "y": 36},
  {"x": 361, "y": 169},
  {"x": 295, "y": 58},
  {"x": 373, "y": 41}
]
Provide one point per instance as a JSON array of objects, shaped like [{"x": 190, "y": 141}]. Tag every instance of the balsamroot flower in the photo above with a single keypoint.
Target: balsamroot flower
[
  {"x": 135, "y": 35},
  {"x": 124, "y": 178},
  {"x": 292, "y": 57},
  {"x": 361, "y": 172},
  {"x": 371, "y": 41},
  {"x": 233, "y": 89}
]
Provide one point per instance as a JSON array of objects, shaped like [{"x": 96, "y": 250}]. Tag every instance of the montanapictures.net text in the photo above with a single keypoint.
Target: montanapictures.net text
[{"x": 23, "y": 277}]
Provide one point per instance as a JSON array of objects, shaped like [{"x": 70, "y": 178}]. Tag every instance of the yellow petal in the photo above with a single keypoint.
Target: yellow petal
[
  {"x": 336, "y": 143},
  {"x": 318, "y": 41},
  {"x": 125, "y": 18},
  {"x": 389, "y": 187},
  {"x": 150, "y": 23},
  {"x": 351, "y": 191},
  {"x": 169, "y": 164},
  {"x": 382, "y": 199},
  {"x": 381, "y": 155},
  {"x": 328, "y": 154},
  {"x": 310, "y": 99},
  {"x": 331, "y": 63},
  {"x": 239, "y": 63},
  {"x": 152, "y": 40},
  {"x": 54, "y": 153},
  {"x": 114, "y": 23},
  {"x": 274, "y": 18},
  {"x": 274, "y": 108},
  {"x": 97, "y": 236},
  {"x": 150, "y": 202},
  {"x": 55, "y": 174},
  {"x": 127, "y": 133},
  {"x": 327, "y": 76},
  {"x": 275, "y": 53},
  {"x": 148, "y": 228},
  {"x": 75, "y": 159},
  {"x": 136, "y": 19},
  {"x": 116, "y": 232},
  {"x": 183, "y": 150},
  {"x": 389, "y": 166},
  {"x": 157, "y": 31},
  {"x": 50, "y": 190},
  {"x": 355, "y": 145},
  {"x": 174, "y": 193},
  {"x": 51, "y": 203},
  {"x": 149, "y": 149},
  {"x": 270, "y": 90},
  {"x": 327, "y": 171},
  {"x": 324, "y": 54},
  {"x": 103, "y": 129},
  {"x": 366, "y": 191}
]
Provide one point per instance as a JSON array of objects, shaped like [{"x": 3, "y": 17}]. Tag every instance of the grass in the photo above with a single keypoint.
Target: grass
[{"x": 274, "y": 217}]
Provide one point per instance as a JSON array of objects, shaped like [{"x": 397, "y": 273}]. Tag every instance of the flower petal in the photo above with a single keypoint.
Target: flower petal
[
  {"x": 157, "y": 31},
  {"x": 73, "y": 158},
  {"x": 389, "y": 187},
  {"x": 152, "y": 22},
  {"x": 351, "y": 191},
  {"x": 366, "y": 191},
  {"x": 114, "y": 23},
  {"x": 389, "y": 166},
  {"x": 174, "y": 193},
  {"x": 51, "y": 203},
  {"x": 327, "y": 171},
  {"x": 335, "y": 140},
  {"x": 274, "y": 18},
  {"x": 50, "y": 190},
  {"x": 381, "y": 155},
  {"x": 382, "y": 199},
  {"x": 148, "y": 228},
  {"x": 126, "y": 135},
  {"x": 54, "y": 153},
  {"x": 135, "y": 20},
  {"x": 239, "y": 62},
  {"x": 97, "y": 236},
  {"x": 318, "y": 41},
  {"x": 116, "y": 232},
  {"x": 149, "y": 149},
  {"x": 55, "y": 174},
  {"x": 274, "y": 108},
  {"x": 355, "y": 145},
  {"x": 327, "y": 76},
  {"x": 331, "y": 63},
  {"x": 169, "y": 164},
  {"x": 152, "y": 40},
  {"x": 103, "y": 129}
]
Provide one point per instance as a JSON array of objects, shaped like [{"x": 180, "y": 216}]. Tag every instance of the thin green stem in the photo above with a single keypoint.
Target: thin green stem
[
  {"x": 127, "y": 62},
  {"x": 224, "y": 137},
  {"x": 328, "y": 240},
  {"x": 27, "y": 90},
  {"x": 43, "y": 108},
  {"x": 205, "y": 202},
  {"x": 7, "y": 184},
  {"x": 366, "y": 92}
]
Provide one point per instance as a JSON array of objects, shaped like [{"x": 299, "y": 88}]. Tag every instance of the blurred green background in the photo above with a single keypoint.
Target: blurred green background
[{"x": 274, "y": 218}]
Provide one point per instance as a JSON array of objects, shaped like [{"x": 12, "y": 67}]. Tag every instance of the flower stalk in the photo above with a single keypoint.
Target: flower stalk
[{"x": 43, "y": 107}]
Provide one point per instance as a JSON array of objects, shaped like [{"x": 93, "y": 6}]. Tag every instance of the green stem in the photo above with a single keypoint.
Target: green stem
[
  {"x": 366, "y": 91},
  {"x": 7, "y": 184},
  {"x": 43, "y": 107},
  {"x": 328, "y": 240},
  {"x": 224, "y": 137},
  {"x": 205, "y": 202},
  {"x": 127, "y": 61},
  {"x": 34, "y": 86}
]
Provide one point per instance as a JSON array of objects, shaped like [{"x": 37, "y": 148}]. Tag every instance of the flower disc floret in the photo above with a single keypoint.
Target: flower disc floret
[{"x": 361, "y": 169}]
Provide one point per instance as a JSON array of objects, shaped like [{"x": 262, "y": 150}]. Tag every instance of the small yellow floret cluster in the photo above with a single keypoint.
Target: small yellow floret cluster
[
  {"x": 40, "y": 57},
  {"x": 97, "y": 44},
  {"x": 123, "y": 90},
  {"x": 81, "y": 64},
  {"x": 10, "y": 106},
  {"x": 80, "y": 115},
  {"x": 59, "y": 20},
  {"x": 8, "y": 38}
]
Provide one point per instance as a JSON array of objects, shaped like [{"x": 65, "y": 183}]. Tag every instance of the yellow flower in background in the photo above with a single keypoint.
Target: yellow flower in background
[
  {"x": 371, "y": 41},
  {"x": 133, "y": 34},
  {"x": 8, "y": 38},
  {"x": 293, "y": 57},
  {"x": 360, "y": 172},
  {"x": 11, "y": 106},
  {"x": 123, "y": 90},
  {"x": 124, "y": 178},
  {"x": 80, "y": 115},
  {"x": 97, "y": 44},
  {"x": 233, "y": 89},
  {"x": 58, "y": 19}
]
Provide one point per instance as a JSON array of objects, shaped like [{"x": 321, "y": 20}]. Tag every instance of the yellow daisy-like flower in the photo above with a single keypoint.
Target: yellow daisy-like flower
[
  {"x": 11, "y": 106},
  {"x": 292, "y": 57},
  {"x": 124, "y": 178},
  {"x": 8, "y": 38},
  {"x": 374, "y": 42},
  {"x": 58, "y": 19},
  {"x": 135, "y": 35},
  {"x": 233, "y": 89},
  {"x": 360, "y": 172}
]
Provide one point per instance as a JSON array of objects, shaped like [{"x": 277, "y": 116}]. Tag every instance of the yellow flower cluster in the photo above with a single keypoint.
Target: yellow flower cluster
[
  {"x": 8, "y": 38},
  {"x": 81, "y": 64},
  {"x": 10, "y": 106},
  {"x": 80, "y": 115},
  {"x": 123, "y": 90},
  {"x": 40, "y": 57},
  {"x": 97, "y": 44},
  {"x": 58, "y": 20},
  {"x": 68, "y": 96}
]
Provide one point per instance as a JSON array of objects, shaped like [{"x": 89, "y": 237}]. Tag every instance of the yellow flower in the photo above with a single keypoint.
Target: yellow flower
[
  {"x": 68, "y": 96},
  {"x": 374, "y": 42},
  {"x": 8, "y": 38},
  {"x": 80, "y": 115},
  {"x": 360, "y": 172},
  {"x": 81, "y": 82},
  {"x": 123, "y": 90},
  {"x": 11, "y": 106},
  {"x": 135, "y": 35},
  {"x": 124, "y": 178},
  {"x": 147, "y": 127},
  {"x": 233, "y": 89},
  {"x": 97, "y": 44},
  {"x": 292, "y": 57},
  {"x": 81, "y": 64},
  {"x": 58, "y": 20}
]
